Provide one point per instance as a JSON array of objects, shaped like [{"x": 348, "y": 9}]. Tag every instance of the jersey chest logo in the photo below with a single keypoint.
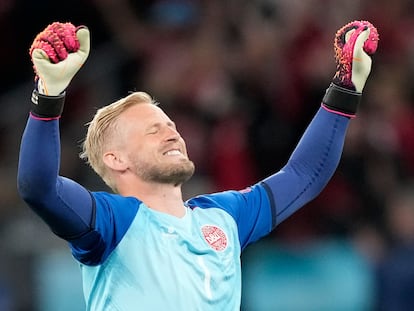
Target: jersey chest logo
[{"x": 215, "y": 237}]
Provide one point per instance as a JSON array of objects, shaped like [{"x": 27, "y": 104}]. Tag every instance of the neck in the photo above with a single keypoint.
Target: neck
[{"x": 164, "y": 198}]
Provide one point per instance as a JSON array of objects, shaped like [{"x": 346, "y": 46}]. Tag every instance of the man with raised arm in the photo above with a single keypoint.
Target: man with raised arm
[{"x": 141, "y": 247}]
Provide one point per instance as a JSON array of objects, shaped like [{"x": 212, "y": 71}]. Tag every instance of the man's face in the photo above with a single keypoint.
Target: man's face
[{"x": 155, "y": 150}]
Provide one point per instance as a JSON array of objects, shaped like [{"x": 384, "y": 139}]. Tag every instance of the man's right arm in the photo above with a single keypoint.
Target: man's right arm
[
  {"x": 57, "y": 54},
  {"x": 64, "y": 205}
]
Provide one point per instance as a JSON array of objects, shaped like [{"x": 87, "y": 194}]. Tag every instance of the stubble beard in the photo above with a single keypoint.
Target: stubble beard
[{"x": 174, "y": 174}]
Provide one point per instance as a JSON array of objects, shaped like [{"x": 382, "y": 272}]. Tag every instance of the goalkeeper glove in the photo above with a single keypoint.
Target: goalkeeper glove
[
  {"x": 57, "y": 53},
  {"x": 354, "y": 45}
]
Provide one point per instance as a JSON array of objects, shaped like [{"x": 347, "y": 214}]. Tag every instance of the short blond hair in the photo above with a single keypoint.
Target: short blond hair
[{"x": 101, "y": 129}]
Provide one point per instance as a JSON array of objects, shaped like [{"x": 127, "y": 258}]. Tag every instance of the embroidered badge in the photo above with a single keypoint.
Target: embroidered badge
[{"x": 215, "y": 237}]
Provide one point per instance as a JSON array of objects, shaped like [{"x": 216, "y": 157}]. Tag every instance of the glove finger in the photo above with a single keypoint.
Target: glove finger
[
  {"x": 48, "y": 49},
  {"x": 361, "y": 62},
  {"x": 348, "y": 35},
  {"x": 83, "y": 37},
  {"x": 40, "y": 54},
  {"x": 67, "y": 34},
  {"x": 360, "y": 41},
  {"x": 52, "y": 38},
  {"x": 371, "y": 43}
]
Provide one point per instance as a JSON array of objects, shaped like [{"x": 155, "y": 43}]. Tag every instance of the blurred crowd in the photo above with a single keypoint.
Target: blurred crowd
[{"x": 242, "y": 79}]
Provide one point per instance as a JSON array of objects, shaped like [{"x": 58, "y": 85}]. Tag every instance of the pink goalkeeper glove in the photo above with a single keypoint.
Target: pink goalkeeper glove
[
  {"x": 57, "y": 53},
  {"x": 354, "y": 45}
]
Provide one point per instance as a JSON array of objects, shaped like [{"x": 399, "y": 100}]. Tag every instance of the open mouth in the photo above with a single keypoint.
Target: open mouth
[{"x": 173, "y": 152}]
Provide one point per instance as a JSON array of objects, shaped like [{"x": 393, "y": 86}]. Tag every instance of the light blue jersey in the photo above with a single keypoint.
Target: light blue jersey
[{"x": 162, "y": 262}]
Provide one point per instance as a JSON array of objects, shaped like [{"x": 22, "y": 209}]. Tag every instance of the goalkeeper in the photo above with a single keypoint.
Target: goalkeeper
[{"x": 141, "y": 246}]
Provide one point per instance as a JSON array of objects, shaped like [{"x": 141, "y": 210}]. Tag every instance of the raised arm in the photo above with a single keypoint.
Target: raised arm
[
  {"x": 318, "y": 153},
  {"x": 57, "y": 54}
]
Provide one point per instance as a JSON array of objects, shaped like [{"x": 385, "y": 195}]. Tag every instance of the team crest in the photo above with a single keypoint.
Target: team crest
[{"x": 215, "y": 237}]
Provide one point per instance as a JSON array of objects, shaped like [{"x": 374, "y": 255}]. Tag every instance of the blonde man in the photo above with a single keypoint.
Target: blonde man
[{"x": 142, "y": 247}]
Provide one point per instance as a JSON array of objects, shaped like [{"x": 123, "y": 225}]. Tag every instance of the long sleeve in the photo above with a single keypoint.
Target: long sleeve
[
  {"x": 63, "y": 204},
  {"x": 310, "y": 167}
]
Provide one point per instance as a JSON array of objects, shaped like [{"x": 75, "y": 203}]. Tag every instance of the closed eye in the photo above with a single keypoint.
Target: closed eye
[
  {"x": 154, "y": 129},
  {"x": 152, "y": 132}
]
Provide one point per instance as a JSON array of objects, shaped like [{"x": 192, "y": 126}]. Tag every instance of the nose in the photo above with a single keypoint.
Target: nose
[{"x": 171, "y": 134}]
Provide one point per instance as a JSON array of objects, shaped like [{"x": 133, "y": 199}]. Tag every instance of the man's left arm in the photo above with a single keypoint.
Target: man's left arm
[
  {"x": 310, "y": 166},
  {"x": 260, "y": 208},
  {"x": 317, "y": 155}
]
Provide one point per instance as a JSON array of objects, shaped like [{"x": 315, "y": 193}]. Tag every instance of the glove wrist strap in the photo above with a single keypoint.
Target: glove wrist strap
[
  {"x": 43, "y": 106},
  {"x": 341, "y": 100}
]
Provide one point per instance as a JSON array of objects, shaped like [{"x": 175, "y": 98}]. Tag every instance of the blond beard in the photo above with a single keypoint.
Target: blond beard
[{"x": 176, "y": 174}]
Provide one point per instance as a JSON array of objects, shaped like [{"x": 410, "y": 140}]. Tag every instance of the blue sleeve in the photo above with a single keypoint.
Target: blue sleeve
[
  {"x": 63, "y": 204},
  {"x": 257, "y": 210},
  {"x": 114, "y": 215},
  {"x": 311, "y": 165}
]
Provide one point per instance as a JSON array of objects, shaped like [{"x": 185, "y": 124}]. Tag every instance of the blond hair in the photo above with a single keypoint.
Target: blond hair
[{"x": 101, "y": 129}]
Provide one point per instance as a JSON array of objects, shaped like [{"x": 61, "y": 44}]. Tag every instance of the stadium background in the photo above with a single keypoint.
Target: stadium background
[{"x": 241, "y": 78}]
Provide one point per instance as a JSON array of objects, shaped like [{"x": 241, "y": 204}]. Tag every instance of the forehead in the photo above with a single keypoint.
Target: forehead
[{"x": 144, "y": 114}]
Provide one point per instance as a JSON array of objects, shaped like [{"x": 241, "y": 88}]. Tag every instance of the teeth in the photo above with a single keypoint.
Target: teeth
[{"x": 173, "y": 152}]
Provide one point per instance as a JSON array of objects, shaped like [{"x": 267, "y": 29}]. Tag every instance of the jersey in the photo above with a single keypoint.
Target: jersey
[{"x": 162, "y": 262}]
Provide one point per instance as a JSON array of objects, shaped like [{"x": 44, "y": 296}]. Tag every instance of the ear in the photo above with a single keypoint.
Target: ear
[{"x": 115, "y": 161}]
